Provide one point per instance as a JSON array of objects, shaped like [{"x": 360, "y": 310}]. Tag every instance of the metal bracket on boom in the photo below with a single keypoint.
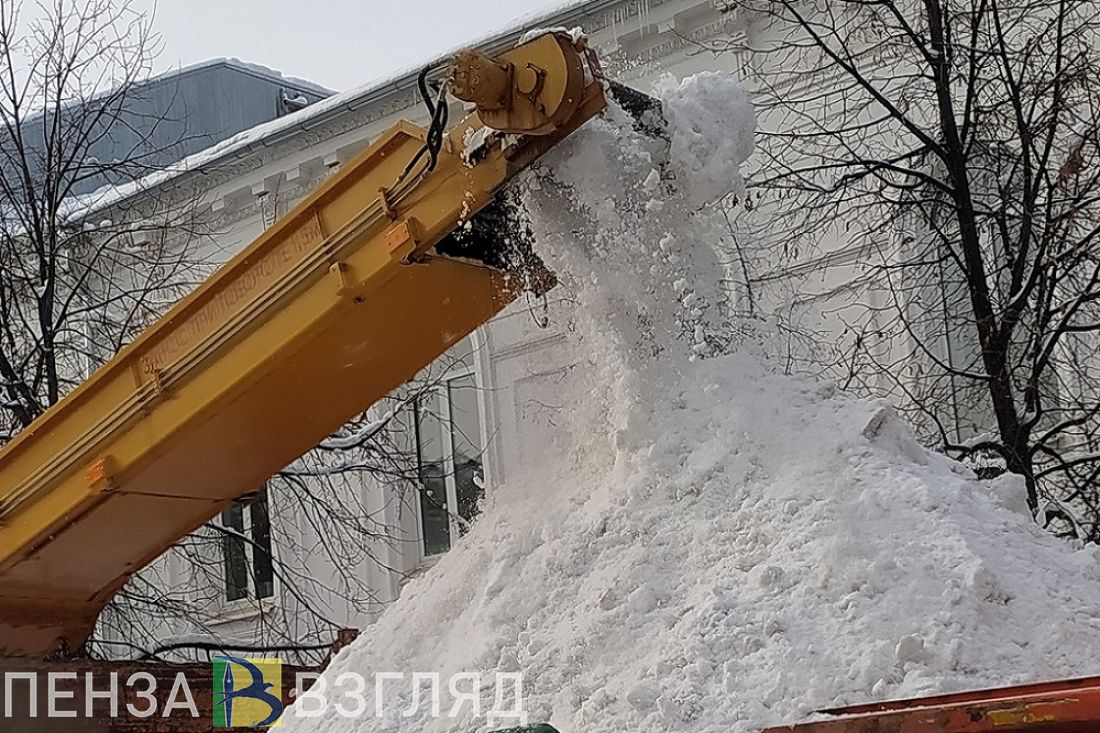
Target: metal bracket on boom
[{"x": 100, "y": 476}]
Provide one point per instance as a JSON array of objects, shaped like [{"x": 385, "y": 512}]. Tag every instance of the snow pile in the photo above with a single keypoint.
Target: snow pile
[
  {"x": 707, "y": 163},
  {"x": 724, "y": 547}
]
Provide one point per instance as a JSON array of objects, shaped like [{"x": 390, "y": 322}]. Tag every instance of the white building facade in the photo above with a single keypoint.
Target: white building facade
[{"x": 272, "y": 579}]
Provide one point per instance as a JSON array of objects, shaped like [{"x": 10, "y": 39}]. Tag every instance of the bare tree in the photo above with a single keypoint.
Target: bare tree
[
  {"x": 73, "y": 289},
  {"x": 953, "y": 148}
]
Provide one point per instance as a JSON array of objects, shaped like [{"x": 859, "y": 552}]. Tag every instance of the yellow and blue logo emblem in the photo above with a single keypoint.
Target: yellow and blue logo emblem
[{"x": 247, "y": 692}]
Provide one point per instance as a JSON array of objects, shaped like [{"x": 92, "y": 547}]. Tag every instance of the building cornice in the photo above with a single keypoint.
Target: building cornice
[{"x": 392, "y": 97}]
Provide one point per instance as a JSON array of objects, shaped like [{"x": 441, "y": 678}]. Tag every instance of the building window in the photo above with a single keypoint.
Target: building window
[
  {"x": 246, "y": 550},
  {"x": 449, "y": 453}
]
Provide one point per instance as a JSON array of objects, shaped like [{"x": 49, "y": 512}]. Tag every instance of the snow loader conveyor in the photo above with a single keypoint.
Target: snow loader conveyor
[{"x": 344, "y": 299}]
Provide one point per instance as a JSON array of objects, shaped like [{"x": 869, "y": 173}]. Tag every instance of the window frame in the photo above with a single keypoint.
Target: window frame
[
  {"x": 251, "y": 603},
  {"x": 440, "y": 394}
]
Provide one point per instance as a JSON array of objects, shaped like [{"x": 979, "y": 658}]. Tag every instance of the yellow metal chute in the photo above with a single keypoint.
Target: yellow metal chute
[{"x": 343, "y": 300}]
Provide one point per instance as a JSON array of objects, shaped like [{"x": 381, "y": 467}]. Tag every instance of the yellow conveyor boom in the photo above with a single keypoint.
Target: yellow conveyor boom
[{"x": 339, "y": 303}]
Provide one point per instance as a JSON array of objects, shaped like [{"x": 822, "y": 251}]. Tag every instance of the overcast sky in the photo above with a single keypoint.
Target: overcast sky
[{"x": 337, "y": 43}]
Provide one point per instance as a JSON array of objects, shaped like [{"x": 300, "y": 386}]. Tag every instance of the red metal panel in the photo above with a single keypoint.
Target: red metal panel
[{"x": 1070, "y": 706}]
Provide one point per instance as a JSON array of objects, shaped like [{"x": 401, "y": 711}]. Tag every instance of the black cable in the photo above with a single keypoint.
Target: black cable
[
  {"x": 422, "y": 83},
  {"x": 438, "y": 129},
  {"x": 438, "y": 114}
]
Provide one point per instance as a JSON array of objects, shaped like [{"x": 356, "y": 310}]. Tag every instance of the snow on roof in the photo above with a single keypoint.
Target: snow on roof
[{"x": 271, "y": 133}]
